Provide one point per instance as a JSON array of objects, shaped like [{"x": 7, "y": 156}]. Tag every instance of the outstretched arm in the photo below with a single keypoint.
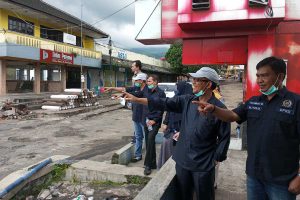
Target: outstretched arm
[
  {"x": 221, "y": 113},
  {"x": 118, "y": 89},
  {"x": 132, "y": 98}
]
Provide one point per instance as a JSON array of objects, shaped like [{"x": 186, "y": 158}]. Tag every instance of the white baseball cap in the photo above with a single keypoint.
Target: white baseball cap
[
  {"x": 206, "y": 72},
  {"x": 140, "y": 76}
]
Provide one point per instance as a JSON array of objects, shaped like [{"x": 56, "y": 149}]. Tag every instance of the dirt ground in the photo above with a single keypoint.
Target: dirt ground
[{"x": 24, "y": 142}]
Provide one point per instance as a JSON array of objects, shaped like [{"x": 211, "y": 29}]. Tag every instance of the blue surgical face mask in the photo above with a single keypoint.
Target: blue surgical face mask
[
  {"x": 199, "y": 94},
  {"x": 136, "y": 84},
  {"x": 271, "y": 90},
  {"x": 151, "y": 86},
  {"x": 202, "y": 92}
]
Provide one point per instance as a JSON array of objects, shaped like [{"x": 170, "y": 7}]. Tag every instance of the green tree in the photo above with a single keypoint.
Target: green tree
[{"x": 174, "y": 57}]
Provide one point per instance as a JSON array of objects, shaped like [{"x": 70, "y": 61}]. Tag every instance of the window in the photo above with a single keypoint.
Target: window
[
  {"x": 200, "y": 4},
  {"x": 51, "y": 34},
  {"x": 258, "y": 2},
  {"x": 78, "y": 41},
  {"x": 21, "y": 26},
  {"x": 50, "y": 73}
]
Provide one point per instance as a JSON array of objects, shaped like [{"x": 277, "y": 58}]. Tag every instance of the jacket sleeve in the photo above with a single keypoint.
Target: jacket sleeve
[
  {"x": 174, "y": 104},
  {"x": 166, "y": 120},
  {"x": 224, "y": 129}
]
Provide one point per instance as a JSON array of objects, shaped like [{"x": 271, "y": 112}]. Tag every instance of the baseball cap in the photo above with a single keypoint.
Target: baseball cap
[
  {"x": 206, "y": 72},
  {"x": 140, "y": 76}
]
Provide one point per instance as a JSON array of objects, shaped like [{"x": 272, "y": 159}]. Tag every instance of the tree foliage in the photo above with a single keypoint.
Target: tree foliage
[{"x": 174, "y": 57}]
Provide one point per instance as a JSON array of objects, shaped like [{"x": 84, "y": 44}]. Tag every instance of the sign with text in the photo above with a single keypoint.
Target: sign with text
[
  {"x": 70, "y": 39},
  {"x": 49, "y": 56}
]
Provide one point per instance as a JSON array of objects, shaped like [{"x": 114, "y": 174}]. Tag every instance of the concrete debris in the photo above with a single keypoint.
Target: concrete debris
[
  {"x": 123, "y": 192},
  {"x": 44, "y": 194},
  {"x": 88, "y": 192},
  {"x": 30, "y": 198},
  {"x": 10, "y": 110}
]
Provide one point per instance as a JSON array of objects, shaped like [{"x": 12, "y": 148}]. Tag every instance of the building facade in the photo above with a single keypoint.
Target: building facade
[
  {"x": 41, "y": 48},
  {"x": 119, "y": 72},
  {"x": 235, "y": 32}
]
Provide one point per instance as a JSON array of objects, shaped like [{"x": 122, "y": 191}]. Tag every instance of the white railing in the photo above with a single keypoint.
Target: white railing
[{"x": 26, "y": 40}]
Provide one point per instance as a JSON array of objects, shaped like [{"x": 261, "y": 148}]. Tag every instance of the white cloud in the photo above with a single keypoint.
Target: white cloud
[{"x": 120, "y": 26}]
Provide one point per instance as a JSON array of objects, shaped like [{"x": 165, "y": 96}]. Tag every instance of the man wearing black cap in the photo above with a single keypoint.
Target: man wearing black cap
[{"x": 197, "y": 150}]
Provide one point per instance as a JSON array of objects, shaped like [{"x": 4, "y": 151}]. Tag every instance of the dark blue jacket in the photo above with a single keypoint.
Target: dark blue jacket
[
  {"x": 273, "y": 136},
  {"x": 203, "y": 139}
]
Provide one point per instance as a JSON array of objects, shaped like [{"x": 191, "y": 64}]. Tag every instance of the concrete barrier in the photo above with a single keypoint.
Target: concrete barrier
[
  {"x": 124, "y": 155},
  {"x": 87, "y": 171},
  {"x": 162, "y": 185},
  {"x": 17, "y": 174}
]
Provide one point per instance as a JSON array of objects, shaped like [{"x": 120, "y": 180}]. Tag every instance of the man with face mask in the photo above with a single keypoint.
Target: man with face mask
[
  {"x": 197, "y": 150},
  {"x": 138, "y": 112},
  {"x": 273, "y": 132}
]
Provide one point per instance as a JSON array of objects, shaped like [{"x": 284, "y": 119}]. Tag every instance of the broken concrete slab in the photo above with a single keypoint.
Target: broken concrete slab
[
  {"x": 87, "y": 171},
  {"x": 124, "y": 155}
]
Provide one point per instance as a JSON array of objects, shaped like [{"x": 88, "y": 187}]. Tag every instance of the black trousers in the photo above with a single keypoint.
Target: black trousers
[
  {"x": 150, "y": 159},
  {"x": 200, "y": 182}
]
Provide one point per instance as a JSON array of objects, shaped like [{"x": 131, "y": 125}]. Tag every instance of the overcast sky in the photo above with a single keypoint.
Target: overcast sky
[{"x": 120, "y": 26}]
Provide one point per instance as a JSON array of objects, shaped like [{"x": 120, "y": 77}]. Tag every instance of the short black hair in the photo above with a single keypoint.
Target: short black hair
[
  {"x": 213, "y": 85},
  {"x": 138, "y": 64},
  {"x": 154, "y": 77},
  {"x": 277, "y": 64}
]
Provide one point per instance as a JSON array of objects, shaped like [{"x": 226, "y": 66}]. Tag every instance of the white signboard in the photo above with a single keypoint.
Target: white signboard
[{"x": 70, "y": 39}]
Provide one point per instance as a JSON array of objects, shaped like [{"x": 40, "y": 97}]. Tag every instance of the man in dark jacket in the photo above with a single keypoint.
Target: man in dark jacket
[
  {"x": 197, "y": 150},
  {"x": 273, "y": 132}
]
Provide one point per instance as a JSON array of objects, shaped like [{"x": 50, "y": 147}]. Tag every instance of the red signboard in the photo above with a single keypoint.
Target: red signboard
[{"x": 49, "y": 56}]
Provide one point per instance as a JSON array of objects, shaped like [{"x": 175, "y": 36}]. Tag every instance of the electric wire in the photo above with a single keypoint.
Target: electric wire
[{"x": 84, "y": 24}]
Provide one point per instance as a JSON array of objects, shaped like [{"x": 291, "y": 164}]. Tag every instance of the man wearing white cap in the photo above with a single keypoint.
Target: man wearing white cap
[
  {"x": 138, "y": 112},
  {"x": 203, "y": 141}
]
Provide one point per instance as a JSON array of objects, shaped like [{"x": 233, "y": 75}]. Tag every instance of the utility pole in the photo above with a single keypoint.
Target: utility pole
[
  {"x": 81, "y": 41},
  {"x": 110, "y": 64}
]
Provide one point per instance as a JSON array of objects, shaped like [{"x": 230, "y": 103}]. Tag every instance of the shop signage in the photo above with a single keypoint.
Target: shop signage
[
  {"x": 49, "y": 56},
  {"x": 70, "y": 39},
  {"x": 122, "y": 55}
]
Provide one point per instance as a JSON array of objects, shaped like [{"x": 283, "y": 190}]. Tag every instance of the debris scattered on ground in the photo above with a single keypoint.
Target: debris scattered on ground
[
  {"x": 10, "y": 110},
  {"x": 88, "y": 191}
]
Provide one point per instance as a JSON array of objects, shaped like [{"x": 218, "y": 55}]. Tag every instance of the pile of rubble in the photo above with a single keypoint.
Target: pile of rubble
[
  {"x": 72, "y": 98},
  {"x": 86, "y": 191},
  {"x": 10, "y": 110}
]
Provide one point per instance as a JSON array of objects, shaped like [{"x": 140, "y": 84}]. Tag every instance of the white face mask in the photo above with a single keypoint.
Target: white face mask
[{"x": 272, "y": 89}]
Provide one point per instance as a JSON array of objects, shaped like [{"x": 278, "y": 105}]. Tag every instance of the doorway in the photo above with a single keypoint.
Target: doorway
[{"x": 73, "y": 78}]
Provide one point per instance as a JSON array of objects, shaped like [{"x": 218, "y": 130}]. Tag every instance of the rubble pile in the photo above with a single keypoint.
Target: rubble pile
[
  {"x": 10, "y": 110},
  {"x": 72, "y": 98}
]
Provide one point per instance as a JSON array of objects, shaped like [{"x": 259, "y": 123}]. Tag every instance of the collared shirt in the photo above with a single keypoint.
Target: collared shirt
[
  {"x": 203, "y": 139},
  {"x": 273, "y": 135}
]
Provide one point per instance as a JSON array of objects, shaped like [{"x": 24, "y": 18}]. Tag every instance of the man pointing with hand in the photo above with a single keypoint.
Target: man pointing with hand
[
  {"x": 273, "y": 132},
  {"x": 203, "y": 140}
]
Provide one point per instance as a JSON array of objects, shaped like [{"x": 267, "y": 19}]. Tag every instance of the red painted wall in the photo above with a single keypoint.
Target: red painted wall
[
  {"x": 217, "y": 51},
  {"x": 214, "y": 37},
  {"x": 288, "y": 47}
]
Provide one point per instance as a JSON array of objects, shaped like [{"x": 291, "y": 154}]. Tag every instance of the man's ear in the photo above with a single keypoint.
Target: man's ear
[{"x": 210, "y": 85}]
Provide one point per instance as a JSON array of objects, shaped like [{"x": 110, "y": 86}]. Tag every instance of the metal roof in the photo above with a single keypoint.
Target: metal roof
[{"x": 43, "y": 8}]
